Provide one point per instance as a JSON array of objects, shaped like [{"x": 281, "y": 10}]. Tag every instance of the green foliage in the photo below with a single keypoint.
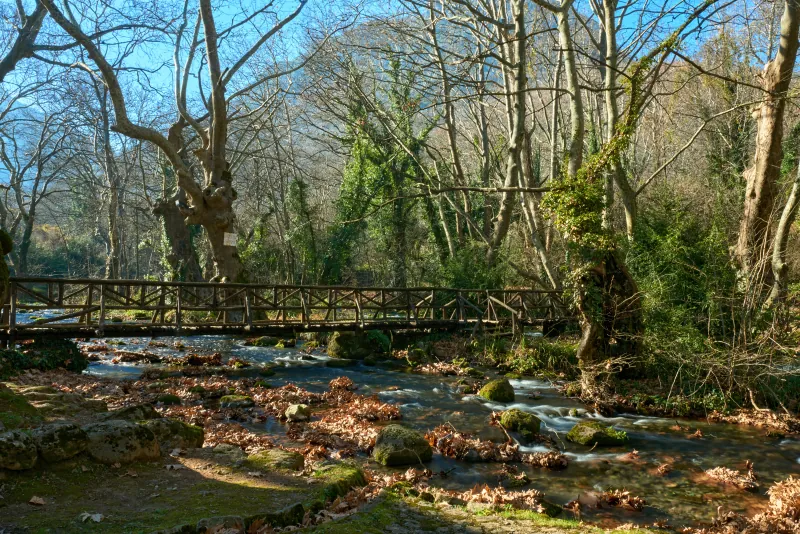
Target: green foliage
[
  {"x": 43, "y": 355},
  {"x": 684, "y": 272},
  {"x": 541, "y": 357},
  {"x": 468, "y": 269},
  {"x": 385, "y": 148}
]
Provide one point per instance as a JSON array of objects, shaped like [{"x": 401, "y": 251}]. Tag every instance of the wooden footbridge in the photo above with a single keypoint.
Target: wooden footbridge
[{"x": 85, "y": 308}]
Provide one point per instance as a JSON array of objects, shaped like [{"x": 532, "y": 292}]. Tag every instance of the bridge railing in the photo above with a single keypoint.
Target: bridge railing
[{"x": 37, "y": 305}]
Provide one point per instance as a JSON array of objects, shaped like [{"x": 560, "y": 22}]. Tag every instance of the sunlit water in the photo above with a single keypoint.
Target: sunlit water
[{"x": 426, "y": 401}]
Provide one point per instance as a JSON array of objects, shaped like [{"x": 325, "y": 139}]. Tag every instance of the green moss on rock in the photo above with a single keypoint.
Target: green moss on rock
[
  {"x": 174, "y": 434},
  {"x": 356, "y": 345},
  {"x": 339, "y": 479},
  {"x": 17, "y": 451},
  {"x": 525, "y": 424},
  {"x": 398, "y": 445},
  {"x": 273, "y": 459},
  {"x": 593, "y": 433},
  {"x": 60, "y": 441},
  {"x": 499, "y": 390},
  {"x": 263, "y": 341},
  {"x": 169, "y": 399}
]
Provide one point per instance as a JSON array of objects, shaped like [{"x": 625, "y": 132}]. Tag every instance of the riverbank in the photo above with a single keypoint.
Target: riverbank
[{"x": 658, "y": 477}]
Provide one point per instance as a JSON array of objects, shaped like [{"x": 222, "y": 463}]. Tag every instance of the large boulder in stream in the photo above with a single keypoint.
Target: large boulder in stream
[
  {"x": 60, "y": 441},
  {"x": 356, "y": 345},
  {"x": 499, "y": 390},
  {"x": 398, "y": 445},
  {"x": 525, "y": 424},
  {"x": 121, "y": 441},
  {"x": 17, "y": 451},
  {"x": 593, "y": 433}
]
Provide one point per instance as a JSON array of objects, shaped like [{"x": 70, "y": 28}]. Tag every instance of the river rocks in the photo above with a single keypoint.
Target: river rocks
[
  {"x": 121, "y": 441},
  {"x": 356, "y": 345},
  {"x": 60, "y": 441},
  {"x": 398, "y": 445},
  {"x": 17, "y": 451},
  {"x": 593, "y": 433},
  {"x": 525, "y": 424},
  {"x": 137, "y": 412},
  {"x": 275, "y": 459},
  {"x": 341, "y": 362},
  {"x": 298, "y": 412},
  {"x": 173, "y": 434},
  {"x": 236, "y": 401},
  {"x": 263, "y": 341},
  {"x": 499, "y": 390}
]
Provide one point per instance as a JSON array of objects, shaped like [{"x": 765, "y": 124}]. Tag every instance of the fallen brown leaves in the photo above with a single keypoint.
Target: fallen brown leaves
[
  {"x": 464, "y": 446},
  {"x": 747, "y": 481},
  {"x": 622, "y": 499},
  {"x": 782, "y": 516},
  {"x": 441, "y": 368},
  {"x": 780, "y": 422}
]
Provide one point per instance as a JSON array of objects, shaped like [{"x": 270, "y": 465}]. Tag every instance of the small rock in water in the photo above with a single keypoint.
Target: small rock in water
[{"x": 297, "y": 413}]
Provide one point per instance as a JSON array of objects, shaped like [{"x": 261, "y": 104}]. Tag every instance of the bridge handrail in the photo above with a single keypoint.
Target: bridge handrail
[{"x": 231, "y": 285}]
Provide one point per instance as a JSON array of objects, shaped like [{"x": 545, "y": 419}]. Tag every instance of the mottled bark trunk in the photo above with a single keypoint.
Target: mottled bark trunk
[
  {"x": 780, "y": 269},
  {"x": 577, "y": 127},
  {"x": 761, "y": 177},
  {"x": 25, "y": 242},
  {"x": 516, "y": 84},
  {"x": 181, "y": 257},
  {"x": 611, "y": 322}
]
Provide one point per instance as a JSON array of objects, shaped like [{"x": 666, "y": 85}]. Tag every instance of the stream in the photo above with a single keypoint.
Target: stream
[{"x": 425, "y": 401}]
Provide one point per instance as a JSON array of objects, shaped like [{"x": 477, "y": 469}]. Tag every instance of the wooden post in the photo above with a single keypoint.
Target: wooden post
[
  {"x": 87, "y": 319},
  {"x": 12, "y": 313},
  {"x": 248, "y": 309},
  {"x": 178, "y": 310},
  {"x": 101, "y": 322}
]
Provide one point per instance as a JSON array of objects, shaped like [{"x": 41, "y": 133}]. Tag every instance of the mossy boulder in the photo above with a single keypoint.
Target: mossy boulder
[
  {"x": 16, "y": 411},
  {"x": 137, "y": 412},
  {"x": 236, "y": 401},
  {"x": 263, "y": 341},
  {"x": 289, "y": 516},
  {"x": 525, "y": 424},
  {"x": 297, "y": 413},
  {"x": 17, "y": 451},
  {"x": 592, "y": 433},
  {"x": 398, "y": 445},
  {"x": 499, "y": 390},
  {"x": 356, "y": 345},
  {"x": 273, "y": 459},
  {"x": 174, "y": 434},
  {"x": 60, "y": 441},
  {"x": 168, "y": 399},
  {"x": 339, "y": 479},
  {"x": 113, "y": 442}
]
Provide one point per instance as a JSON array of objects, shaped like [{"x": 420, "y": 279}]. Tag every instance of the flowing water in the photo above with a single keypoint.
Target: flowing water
[{"x": 426, "y": 401}]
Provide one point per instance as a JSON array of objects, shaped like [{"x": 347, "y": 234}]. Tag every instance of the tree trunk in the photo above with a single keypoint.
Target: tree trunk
[
  {"x": 181, "y": 256},
  {"x": 515, "y": 52},
  {"x": 780, "y": 269},
  {"x": 611, "y": 322},
  {"x": 759, "y": 202}
]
